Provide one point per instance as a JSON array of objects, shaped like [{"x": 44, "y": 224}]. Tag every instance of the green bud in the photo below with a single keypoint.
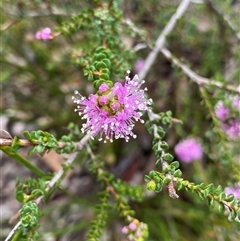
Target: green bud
[{"x": 151, "y": 185}]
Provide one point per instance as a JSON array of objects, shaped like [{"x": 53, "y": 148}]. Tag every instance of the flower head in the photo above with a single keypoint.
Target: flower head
[
  {"x": 221, "y": 111},
  {"x": 112, "y": 111},
  {"x": 232, "y": 129},
  {"x": 188, "y": 150},
  {"x": 136, "y": 230},
  {"x": 230, "y": 122},
  {"x": 44, "y": 34}
]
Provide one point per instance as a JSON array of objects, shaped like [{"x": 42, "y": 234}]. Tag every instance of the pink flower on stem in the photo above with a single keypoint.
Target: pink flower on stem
[
  {"x": 232, "y": 129},
  {"x": 113, "y": 111},
  {"x": 44, "y": 34},
  {"x": 230, "y": 122},
  {"x": 132, "y": 226},
  {"x": 136, "y": 230},
  {"x": 124, "y": 230},
  {"x": 188, "y": 150},
  {"x": 221, "y": 111}
]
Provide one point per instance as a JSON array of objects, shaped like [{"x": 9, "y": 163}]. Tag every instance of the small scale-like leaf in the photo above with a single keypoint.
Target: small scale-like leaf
[
  {"x": 221, "y": 207},
  {"x": 179, "y": 186},
  {"x": 233, "y": 214},
  {"x": 222, "y": 196},
  {"x": 158, "y": 187},
  {"x": 167, "y": 157},
  {"x": 211, "y": 202},
  {"x": 158, "y": 163},
  {"x": 32, "y": 150},
  {"x": 175, "y": 164},
  {"x": 177, "y": 173},
  {"x": 229, "y": 198},
  {"x": 147, "y": 178}
]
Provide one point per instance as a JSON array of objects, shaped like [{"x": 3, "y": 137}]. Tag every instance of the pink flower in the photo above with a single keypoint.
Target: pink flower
[
  {"x": 44, "y": 34},
  {"x": 136, "y": 230},
  {"x": 188, "y": 150},
  {"x": 132, "y": 226},
  {"x": 103, "y": 87},
  {"x": 233, "y": 190},
  {"x": 232, "y": 129},
  {"x": 124, "y": 230},
  {"x": 230, "y": 122},
  {"x": 221, "y": 111},
  {"x": 112, "y": 112},
  {"x": 139, "y": 65},
  {"x": 236, "y": 103}
]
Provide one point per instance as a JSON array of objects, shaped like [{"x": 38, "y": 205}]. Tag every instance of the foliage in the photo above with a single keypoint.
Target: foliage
[{"x": 88, "y": 46}]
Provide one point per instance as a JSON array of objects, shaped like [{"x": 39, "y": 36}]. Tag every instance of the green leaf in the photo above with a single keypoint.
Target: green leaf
[
  {"x": 161, "y": 132},
  {"x": 158, "y": 163},
  {"x": 100, "y": 65},
  {"x": 27, "y": 135},
  {"x": 15, "y": 144},
  {"x": 167, "y": 157},
  {"x": 233, "y": 214},
  {"x": 147, "y": 178},
  {"x": 107, "y": 62},
  {"x": 164, "y": 145},
  {"x": 32, "y": 150},
  {"x": 221, "y": 207},
  {"x": 210, "y": 201},
  {"x": 158, "y": 187},
  {"x": 169, "y": 113},
  {"x": 97, "y": 83},
  {"x": 100, "y": 56},
  {"x": 104, "y": 76},
  {"x": 229, "y": 198},
  {"x": 177, "y": 173},
  {"x": 180, "y": 186},
  {"x": 176, "y": 164}
]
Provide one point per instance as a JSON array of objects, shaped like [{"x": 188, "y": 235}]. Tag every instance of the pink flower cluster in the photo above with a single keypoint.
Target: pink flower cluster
[
  {"x": 230, "y": 122},
  {"x": 188, "y": 150},
  {"x": 44, "y": 34},
  {"x": 136, "y": 231},
  {"x": 112, "y": 111}
]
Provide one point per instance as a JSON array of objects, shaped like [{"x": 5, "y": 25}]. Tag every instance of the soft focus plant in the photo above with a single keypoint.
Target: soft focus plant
[{"x": 175, "y": 130}]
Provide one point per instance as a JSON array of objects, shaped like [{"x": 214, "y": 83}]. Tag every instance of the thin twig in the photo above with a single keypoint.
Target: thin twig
[
  {"x": 55, "y": 179},
  {"x": 195, "y": 77},
  {"x": 70, "y": 160},
  {"x": 13, "y": 231},
  {"x": 159, "y": 48},
  {"x": 161, "y": 39}
]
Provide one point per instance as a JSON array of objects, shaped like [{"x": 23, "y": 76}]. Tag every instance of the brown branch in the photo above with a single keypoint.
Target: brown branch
[
  {"x": 24, "y": 143},
  {"x": 195, "y": 77}
]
